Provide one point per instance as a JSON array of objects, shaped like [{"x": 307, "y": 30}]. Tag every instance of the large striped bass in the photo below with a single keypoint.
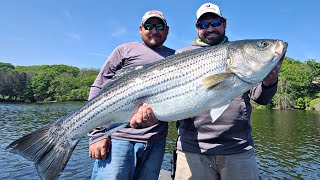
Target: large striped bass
[{"x": 178, "y": 87}]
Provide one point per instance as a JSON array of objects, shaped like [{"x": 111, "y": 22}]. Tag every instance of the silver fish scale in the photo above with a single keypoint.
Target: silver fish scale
[
  {"x": 153, "y": 84},
  {"x": 190, "y": 76},
  {"x": 172, "y": 77}
]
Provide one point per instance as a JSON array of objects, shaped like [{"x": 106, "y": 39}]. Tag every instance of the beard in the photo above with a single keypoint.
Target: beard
[
  {"x": 154, "y": 41},
  {"x": 213, "y": 37}
]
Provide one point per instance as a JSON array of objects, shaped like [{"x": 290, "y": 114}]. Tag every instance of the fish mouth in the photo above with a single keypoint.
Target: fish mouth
[{"x": 280, "y": 48}]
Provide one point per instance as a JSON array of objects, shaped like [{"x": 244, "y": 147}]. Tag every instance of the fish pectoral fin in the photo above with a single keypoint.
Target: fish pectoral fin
[
  {"x": 216, "y": 112},
  {"x": 214, "y": 80}
]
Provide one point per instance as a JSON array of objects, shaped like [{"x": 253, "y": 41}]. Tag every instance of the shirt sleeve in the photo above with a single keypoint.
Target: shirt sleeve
[
  {"x": 97, "y": 134},
  {"x": 263, "y": 95},
  {"x": 113, "y": 64}
]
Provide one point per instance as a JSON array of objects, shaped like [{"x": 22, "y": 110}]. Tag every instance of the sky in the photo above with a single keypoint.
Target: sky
[{"x": 83, "y": 33}]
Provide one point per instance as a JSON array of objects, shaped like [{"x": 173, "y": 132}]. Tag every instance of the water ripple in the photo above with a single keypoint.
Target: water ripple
[{"x": 287, "y": 143}]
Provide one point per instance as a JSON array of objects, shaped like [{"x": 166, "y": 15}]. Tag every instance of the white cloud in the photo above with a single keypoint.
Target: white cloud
[
  {"x": 67, "y": 14},
  {"x": 311, "y": 55},
  {"x": 73, "y": 35},
  {"x": 232, "y": 36},
  {"x": 177, "y": 42},
  {"x": 119, "y": 32},
  {"x": 19, "y": 38},
  {"x": 285, "y": 11},
  {"x": 97, "y": 54},
  {"x": 4, "y": 59}
]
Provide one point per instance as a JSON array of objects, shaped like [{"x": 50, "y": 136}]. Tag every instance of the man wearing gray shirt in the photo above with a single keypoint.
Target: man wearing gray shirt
[
  {"x": 222, "y": 149},
  {"x": 132, "y": 153}
]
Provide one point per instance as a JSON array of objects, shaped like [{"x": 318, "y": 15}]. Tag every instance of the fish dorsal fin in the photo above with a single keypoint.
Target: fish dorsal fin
[
  {"x": 215, "y": 113},
  {"x": 215, "y": 79}
]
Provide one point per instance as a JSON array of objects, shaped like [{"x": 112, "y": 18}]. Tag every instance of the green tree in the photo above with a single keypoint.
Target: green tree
[
  {"x": 45, "y": 85},
  {"x": 12, "y": 85},
  {"x": 302, "y": 103},
  {"x": 294, "y": 82},
  {"x": 5, "y": 89},
  {"x": 62, "y": 85},
  {"x": 28, "y": 94},
  {"x": 74, "y": 71},
  {"x": 40, "y": 85},
  {"x": 4, "y": 67},
  {"x": 86, "y": 78},
  {"x": 79, "y": 94},
  {"x": 315, "y": 66},
  {"x": 315, "y": 86}
]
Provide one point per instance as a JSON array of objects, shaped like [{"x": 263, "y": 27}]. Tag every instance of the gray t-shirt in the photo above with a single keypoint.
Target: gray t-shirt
[
  {"x": 231, "y": 132},
  {"x": 124, "y": 56}
]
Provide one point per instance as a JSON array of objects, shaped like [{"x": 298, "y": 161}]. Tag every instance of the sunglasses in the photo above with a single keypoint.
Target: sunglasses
[
  {"x": 213, "y": 23},
  {"x": 151, "y": 26}
]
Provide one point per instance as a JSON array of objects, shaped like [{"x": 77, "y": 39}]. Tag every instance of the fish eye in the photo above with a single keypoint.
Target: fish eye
[{"x": 264, "y": 43}]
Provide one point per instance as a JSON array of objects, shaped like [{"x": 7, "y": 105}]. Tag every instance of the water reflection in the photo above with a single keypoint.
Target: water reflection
[
  {"x": 287, "y": 142},
  {"x": 17, "y": 120}
]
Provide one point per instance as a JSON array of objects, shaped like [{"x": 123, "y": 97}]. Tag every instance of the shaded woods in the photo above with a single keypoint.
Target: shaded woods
[{"x": 298, "y": 86}]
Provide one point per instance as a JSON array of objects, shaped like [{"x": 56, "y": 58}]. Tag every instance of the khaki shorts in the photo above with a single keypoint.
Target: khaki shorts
[{"x": 226, "y": 167}]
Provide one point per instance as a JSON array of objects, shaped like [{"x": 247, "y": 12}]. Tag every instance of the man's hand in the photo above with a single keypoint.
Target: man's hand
[
  {"x": 144, "y": 117},
  {"x": 272, "y": 77},
  {"x": 100, "y": 149}
]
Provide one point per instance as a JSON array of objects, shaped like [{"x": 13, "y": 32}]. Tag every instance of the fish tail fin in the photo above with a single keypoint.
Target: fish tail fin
[{"x": 44, "y": 147}]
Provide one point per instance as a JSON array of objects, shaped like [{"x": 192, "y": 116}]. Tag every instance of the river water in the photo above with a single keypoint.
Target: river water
[{"x": 287, "y": 143}]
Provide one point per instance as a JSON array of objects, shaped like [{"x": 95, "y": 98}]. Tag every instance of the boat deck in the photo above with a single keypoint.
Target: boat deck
[{"x": 165, "y": 175}]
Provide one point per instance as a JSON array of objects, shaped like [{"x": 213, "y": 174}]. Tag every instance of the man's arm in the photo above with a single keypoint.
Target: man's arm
[
  {"x": 99, "y": 142},
  {"x": 264, "y": 92},
  {"x": 272, "y": 77}
]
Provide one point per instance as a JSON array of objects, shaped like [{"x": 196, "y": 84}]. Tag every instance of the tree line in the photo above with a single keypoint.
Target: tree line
[
  {"x": 298, "y": 84},
  {"x": 45, "y": 83}
]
